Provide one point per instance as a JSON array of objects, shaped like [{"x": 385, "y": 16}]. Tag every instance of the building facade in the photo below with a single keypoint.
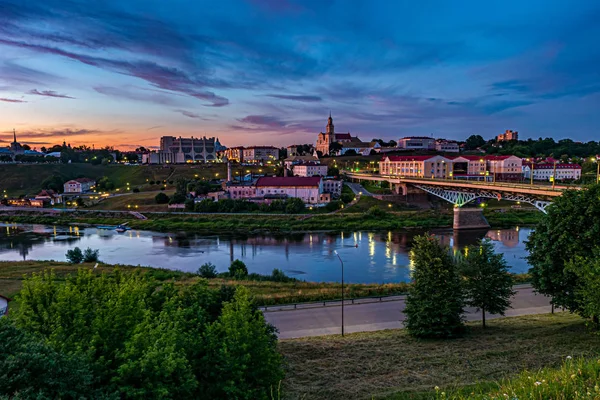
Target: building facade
[
  {"x": 310, "y": 169},
  {"x": 235, "y": 154},
  {"x": 416, "y": 143},
  {"x": 325, "y": 139},
  {"x": 468, "y": 166},
  {"x": 257, "y": 154},
  {"x": 545, "y": 171},
  {"x": 79, "y": 185},
  {"x": 416, "y": 166},
  {"x": 447, "y": 146},
  {"x": 333, "y": 187},
  {"x": 508, "y": 135},
  {"x": 191, "y": 149},
  {"x": 506, "y": 168},
  {"x": 308, "y": 189}
]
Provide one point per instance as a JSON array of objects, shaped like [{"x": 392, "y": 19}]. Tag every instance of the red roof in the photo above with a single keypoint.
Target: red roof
[
  {"x": 408, "y": 158},
  {"x": 343, "y": 136},
  {"x": 288, "y": 181},
  {"x": 470, "y": 158},
  {"x": 551, "y": 166},
  {"x": 84, "y": 180},
  {"x": 497, "y": 158}
]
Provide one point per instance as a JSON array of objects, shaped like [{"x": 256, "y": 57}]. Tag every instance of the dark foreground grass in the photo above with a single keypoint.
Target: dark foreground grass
[{"x": 392, "y": 365}]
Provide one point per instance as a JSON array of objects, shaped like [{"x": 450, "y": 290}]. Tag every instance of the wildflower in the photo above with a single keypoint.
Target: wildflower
[
  {"x": 437, "y": 388},
  {"x": 537, "y": 383},
  {"x": 569, "y": 357},
  {"x": 573, "y": 376}
]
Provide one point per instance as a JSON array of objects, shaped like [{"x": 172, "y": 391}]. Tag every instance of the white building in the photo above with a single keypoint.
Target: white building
[
  {"x": 360, "y": 148},
  {"x": 416, "y": 143},
  {"x": 416, "y": 166},
  {"x": 79, "y": 185},
  {"x": 308, "y": 189},
  {"x": 543, "y": 172},
  {"x": 447, "y": 146},
  {"x": 310, "y": 169},
  {"x": 256, "y": 154},
  {"x": 333, "y": 187},
  {"x": 3, "y": 305}
]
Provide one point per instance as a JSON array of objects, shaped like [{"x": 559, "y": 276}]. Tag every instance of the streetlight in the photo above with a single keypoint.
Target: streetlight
[{"x": 341, "y": 262}]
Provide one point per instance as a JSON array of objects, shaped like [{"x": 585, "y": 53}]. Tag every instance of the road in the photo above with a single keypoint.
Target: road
[
  {"x": 357, "y": 188},
  {"x": 318, "y": 321}
]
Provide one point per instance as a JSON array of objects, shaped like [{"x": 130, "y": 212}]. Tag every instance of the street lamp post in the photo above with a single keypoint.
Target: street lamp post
[
  {"x": 554, "y": 176},
  {"x": 341, "y": 262}
]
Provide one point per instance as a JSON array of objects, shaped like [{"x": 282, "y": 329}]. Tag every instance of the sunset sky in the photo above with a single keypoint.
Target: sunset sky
[{"x": 124, "y": 73}]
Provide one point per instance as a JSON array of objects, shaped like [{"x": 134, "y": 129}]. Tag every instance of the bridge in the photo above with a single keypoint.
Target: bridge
[{"x": 460, "y": 192}]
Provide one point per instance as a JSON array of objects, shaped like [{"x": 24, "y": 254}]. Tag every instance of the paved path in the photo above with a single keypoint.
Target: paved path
[
  {"x": 320, "y": 321},
  {"x": 357, "y": 188}
]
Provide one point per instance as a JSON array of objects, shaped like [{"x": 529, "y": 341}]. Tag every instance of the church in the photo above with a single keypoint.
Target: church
[{"x": 325, "y": 139}]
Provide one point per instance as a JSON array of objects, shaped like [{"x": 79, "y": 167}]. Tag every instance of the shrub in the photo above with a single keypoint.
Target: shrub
[
  {"x": 135, "y": 190},
  {"x": 161, "y": 198},
  {"x": 238, "y": 270},
  {"x": 333, "y": 205},
  {"x": 375, "y": 211},
  {"x": 294, "y": 206},
  {"x": 74, "y": 256},
  {"x": 90, "y": 255},
  {"x": 208, "y": 271},
  {"x": 151, "y": 182},
  {"x": 177, "y": 198}
]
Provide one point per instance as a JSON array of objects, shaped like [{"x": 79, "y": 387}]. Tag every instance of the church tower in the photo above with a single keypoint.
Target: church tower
[{"x": 329, "y": 129}]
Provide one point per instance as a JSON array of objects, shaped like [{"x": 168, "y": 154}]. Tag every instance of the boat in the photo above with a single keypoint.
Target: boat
[{"x": 122, "y": 228}]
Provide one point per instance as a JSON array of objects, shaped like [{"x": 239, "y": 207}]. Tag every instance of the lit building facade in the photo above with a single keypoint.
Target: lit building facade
[
  {"x": 310, "y": 169},
  {"x": 508, "y": 168},
  {"x": 416, "y": 143},
  {"x": 543, "y": 172},
  {"x": 325, "y": 139},
  {"x": 416, "y": 166},
  {"x": 256, "y": 154},
  {"x": 508, "y": 135}
]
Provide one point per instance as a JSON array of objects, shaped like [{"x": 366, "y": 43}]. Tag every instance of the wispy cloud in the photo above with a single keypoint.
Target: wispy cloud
[
  {"x": 190, "y": 114},
  {"x": 303, "y": 98},
  {"x": 12, "y": 100},
  {"x": 49, "y": 93}
]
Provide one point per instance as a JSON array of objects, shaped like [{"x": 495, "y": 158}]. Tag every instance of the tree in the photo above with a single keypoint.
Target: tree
[
  {"x": 434, "y": 304},
  {"x": 74, "y": 256},
  {"x": 208, "y": 271},
  {"x": 333, "y": 171},
  {"x": 473, "y": 142},
  {"x": 238, "y": 270},
  {"x": 161, "y": 198},
  {"x": 294, "y": 205},
  {"x": 177, "y": 198},
  {"x": 90, "y": 255},
  {"x": 587, "y": 271},
  {"x": 486, "y": 281},
  {"x": 350, "y": 152},
  {"x": 335, "y": 147},
  {"x": 54, "y": 182},
  {"x": 243, "y": 349},
  {"x": 569, "y": 230}
]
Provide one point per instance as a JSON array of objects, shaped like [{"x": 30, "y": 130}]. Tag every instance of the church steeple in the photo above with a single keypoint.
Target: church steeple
[
  {"x": 14, "y": 136},
  {"x": 329, "y": 128}
]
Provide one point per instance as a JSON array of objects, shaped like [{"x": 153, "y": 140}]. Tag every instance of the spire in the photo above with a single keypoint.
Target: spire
[{"x": 14, "y": 136}]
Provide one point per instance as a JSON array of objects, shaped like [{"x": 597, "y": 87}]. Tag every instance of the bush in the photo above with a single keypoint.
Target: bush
[
  {"x": 189, "y": 204},
  {"x": 74, "y": 256},
  {"x": 347, "y": 197},
  {"x": 376, "y": 212},
  {"x": 238, "y": 270},
  {"x": 208, "y": 271},
  {"x": 135, "y": 190},
  {"x": 151, "y": 182},
  {"x": 90, "y": 255},
  {"x": 333, "y": 205},
  {"x": 161, "y": 198},
  {"x": 294, "y": 206},
  {"x": 177, "y": 198}
]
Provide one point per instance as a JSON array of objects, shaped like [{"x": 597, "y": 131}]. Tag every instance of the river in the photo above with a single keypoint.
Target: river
[{"x": 380, "y": 257}]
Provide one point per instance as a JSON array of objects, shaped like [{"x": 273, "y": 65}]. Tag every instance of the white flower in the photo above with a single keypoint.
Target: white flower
[
  {"x": 537, "y": 383},
  {"x": 437, "y": 388},
  {"x": 569, "y": 357}
]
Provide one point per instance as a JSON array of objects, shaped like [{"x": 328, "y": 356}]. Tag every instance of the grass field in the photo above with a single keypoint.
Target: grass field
[
  {"x": 143, "y": 200},
  {"x": 392, "y": 365}
]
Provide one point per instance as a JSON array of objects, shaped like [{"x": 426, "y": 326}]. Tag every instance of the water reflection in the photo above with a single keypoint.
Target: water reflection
[{"x": 368, "y": 256}]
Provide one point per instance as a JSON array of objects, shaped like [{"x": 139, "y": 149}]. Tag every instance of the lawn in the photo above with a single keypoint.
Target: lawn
[
  {"x": 392, "y": 365},
  {"x": 143, "y": 200}
]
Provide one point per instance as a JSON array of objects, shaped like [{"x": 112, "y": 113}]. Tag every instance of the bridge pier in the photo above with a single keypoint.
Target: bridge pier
[{"x": 469, "y": 218}]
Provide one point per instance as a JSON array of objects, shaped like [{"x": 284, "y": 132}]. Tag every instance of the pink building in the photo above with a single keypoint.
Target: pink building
[
  {"x": 506, "y": 168},
  {"x": 310, "y": 169},
  {"x": 308, "y": 189},
  {"x": 416, "y": 166},
  {"x": 469, "y": 166}
]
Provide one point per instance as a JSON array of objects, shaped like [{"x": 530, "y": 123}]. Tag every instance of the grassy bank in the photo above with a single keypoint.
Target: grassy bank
[
  {"x": 392, "y": 365},
  {"x": 232, "y": 223},
  {"x": 264, "y": 292}
]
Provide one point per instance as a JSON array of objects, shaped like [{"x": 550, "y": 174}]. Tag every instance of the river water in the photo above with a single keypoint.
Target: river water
[{"x": 369, "y": 257}]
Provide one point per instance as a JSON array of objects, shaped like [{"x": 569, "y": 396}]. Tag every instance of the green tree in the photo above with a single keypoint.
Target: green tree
[
  {"x": 486, "y": 281},
  {"x": 238, "y": 269},
  {"x": 294, "y": 205},
  {"x": 434, "y": 304},
  {"x": 90, "y": 255},
  {"x": 587, "y": 271},
  {"x": 335, "y": 147},
  {"x": 161, "y": 198},
  {"x": 54, "y": 182},
  {"x": 333, "y": 171},
  {"x": 239, "y": 342},
  {"x": 207, "y": 270},
  {"x": 473, "y": 142},
  {"x": 74, "y": 256},
  {"x": 570, "y": 229}
]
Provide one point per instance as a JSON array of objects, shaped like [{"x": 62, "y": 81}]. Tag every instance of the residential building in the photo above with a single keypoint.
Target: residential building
[
  {"x": 508, "y": 135},
  {"x": 310, "y": 169},
  {"x": 544, "y": 171},
  {"x": 240, "y": 190},
  {"x": 257, "y": 154},
  {"x": 160, "y": 157},
  {"x": 292, "y": 150},
  {"x": 293, "y": 160},
  {"x": 416, "y": 166},
  {"x": 416, "y": 143},
  {"x": 447, "y": 146},
  {"x": 23, "y": 202},
  {"x": 505, "y": 168},
  {"x": 79, "y": 185},
  {"x": 235, "y": 154},
  {"x": 3, "y": 305},
  {"x": 308, "y": 189},
  {"x": 324, "y": 140},
  {"x": 468, "y": 166},
  {"x": 360, "y": 148},
  {"x": 49, "y": 196},
  {"x": 333, "y": 187}
]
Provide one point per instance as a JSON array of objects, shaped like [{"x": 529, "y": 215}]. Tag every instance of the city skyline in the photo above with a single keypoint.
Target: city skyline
[{"x": 259, "y": 72}]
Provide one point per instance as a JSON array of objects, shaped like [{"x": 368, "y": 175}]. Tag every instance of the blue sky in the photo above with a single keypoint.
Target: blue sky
[{"x": 125, "y": 73}]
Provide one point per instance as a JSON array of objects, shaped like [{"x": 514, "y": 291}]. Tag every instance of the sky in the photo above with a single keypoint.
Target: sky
[{"x": 255, "y": 72}]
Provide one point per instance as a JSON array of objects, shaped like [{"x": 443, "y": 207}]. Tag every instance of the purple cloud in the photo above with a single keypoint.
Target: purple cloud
[
  {"x": 157, "y": 97},
  {"x": 190, "y": 114},
  {"x": 12, "y": 100},
  {"x": 49, "y": 93},
  {"x": 303, "y": 98}
]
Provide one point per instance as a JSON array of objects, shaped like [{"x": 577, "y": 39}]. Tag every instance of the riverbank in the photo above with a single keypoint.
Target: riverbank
[
  {"x": 392, "y": 365},
  {"x": 264, "y": 292},
  {"x": 265, "y": 223}
]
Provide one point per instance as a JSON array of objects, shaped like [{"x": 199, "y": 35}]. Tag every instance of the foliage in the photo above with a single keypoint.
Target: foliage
[
  {"x": 350, "y": 152},
  {"x": 232, "y": 358},
  {"x": 177, "y": 198},
  {"x": 569, "y": 230},
  {"x": 54, "y": 182},
  {"x": 333, "y": 171},
  {"x": 334, "y": 205},
  {"x": 473, "y": 142},
  {"x": 90, "y": 255},
  {"x": 335, "y": 147},
  {"x": 294, "y": 206},
  {"x": 135, "y": 190},
  {"x": 238, "y": 269},
  {"x": 375, "y": 211},
  {"x": 486, "y": 281},
  {"x": 31, "y": 369},
  {"x": 434, "y": 304},
  {"x": 152, "y": 340},
  {"x": 105, "y": 183},
  {"x": 207, "y": 270},
  {"x": 587, "y": 271},
  {"x": 74, "y": 256},
  {"x": 161, "y": 198}
]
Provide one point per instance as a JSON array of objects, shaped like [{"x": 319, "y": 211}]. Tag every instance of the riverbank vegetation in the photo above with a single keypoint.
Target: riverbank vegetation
[{"x": 392, "y": 365}]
